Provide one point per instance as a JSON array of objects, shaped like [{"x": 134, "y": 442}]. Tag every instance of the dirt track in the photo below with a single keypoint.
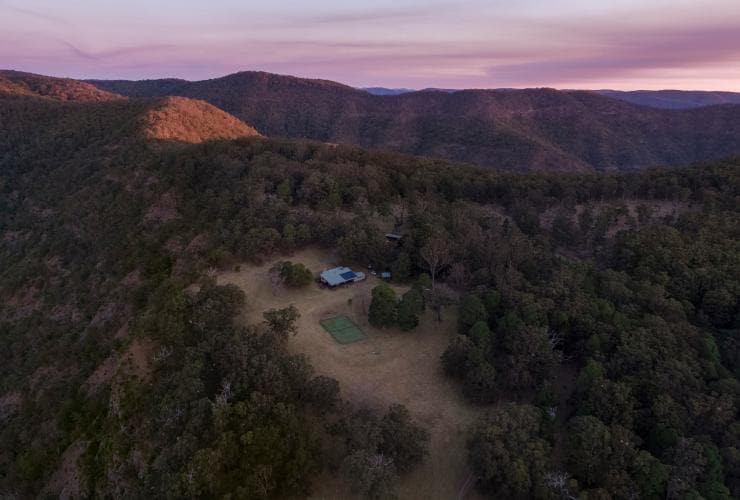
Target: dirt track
[{"x": 389, "y": 366}]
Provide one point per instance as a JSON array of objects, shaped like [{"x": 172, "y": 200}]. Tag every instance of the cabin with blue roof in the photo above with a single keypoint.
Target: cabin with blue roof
[{"x": 339, "y": 276}]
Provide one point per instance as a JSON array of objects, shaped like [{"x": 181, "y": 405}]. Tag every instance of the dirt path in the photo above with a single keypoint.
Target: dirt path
[{"x": 389, "y": 366}]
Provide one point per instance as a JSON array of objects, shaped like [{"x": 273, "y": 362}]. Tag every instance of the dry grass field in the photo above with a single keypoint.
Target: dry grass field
[{"x": 389, "y": 366}]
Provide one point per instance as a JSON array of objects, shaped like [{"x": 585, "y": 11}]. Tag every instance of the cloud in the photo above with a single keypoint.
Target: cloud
[
  {"x": 368, "y": 16},
  {"x": 429, "y": 10},
  {"x": 34, "y": 14},
  {"x": 481, "y": 43},
  {"x": 106, "y": 55},
  {"x": 608, "y": 54}
]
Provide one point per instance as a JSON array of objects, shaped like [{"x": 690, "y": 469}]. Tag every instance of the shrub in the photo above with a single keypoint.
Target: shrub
[
  {"x": 383, "y": 306},
  {"x": 294, "y": 275},
  {"x": 409, "y": 309},
  {"x": 472, "y": 311}
]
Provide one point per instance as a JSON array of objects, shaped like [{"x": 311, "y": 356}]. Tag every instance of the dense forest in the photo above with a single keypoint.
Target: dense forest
[{"x": 598, "y": 316}]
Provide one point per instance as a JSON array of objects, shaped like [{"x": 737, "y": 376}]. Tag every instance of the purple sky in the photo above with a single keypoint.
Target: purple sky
[{"x": 624, "y": 44}]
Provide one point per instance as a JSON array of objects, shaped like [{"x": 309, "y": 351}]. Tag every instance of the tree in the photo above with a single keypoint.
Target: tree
[
  {"x": 323, "y": 393},
  {"x": 720, "y": 307},
  {"x": 458, "y": 276},
  {"x": 689, "y": 462},
  {"x": 589, "y": 447},
  {"x": 507, "y": 451},
  {"x": 492, "y": 301},
  {"x": 423, "y": 283},
  {"x": 383, "y": 306},
  {"x": 409, "y": 308},
  {"x": 371, "y": 475},
  {"x": 400, "y": 211},
  {"x": 377, "y": 448},
  {"x": 401, "y": 267},
  {"x": 436, "y": 255},
  {"x": 529, "y": 357},
  {"x": 480, "y": 383},
  {"x": 472, "y": 311},
  {"x": 293, "y": 275},
  {"x": 439, "y": 297},
  {"x": 563, "y": 229},
  {"x": 650, "y": 475},
  {"x": 282, "y": 321},
  {"x": 406, "y": 443},
  {"x": 457, "y": 356},
  {"x": 612, "y": 402},
  {"x": 481, "y": 336},
  {"x": 261, "y": 450}
]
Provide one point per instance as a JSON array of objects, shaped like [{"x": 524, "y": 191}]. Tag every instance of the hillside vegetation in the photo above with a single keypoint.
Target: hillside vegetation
[
  {"x": 531, "y": 129},
  {"x": 598, "y": 315},
  {"x": 190, "y": 120}
]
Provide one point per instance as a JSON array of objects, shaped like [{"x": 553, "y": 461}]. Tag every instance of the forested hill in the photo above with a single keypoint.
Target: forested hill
[
  {"x": 61, "y": 89},
  {"x": 598, "y": 316},
  {"x": 45, "y": 122},
  {"x": 532, "y": 129}
]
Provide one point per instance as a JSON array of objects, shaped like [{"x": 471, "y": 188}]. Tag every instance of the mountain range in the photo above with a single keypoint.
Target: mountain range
[
  {"x": 541, "y": 129},
  {"x": 529, "y": 129}
]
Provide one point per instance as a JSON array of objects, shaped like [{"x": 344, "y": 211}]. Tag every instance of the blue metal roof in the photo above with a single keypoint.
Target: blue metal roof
[{"x": 336, "y": 276}]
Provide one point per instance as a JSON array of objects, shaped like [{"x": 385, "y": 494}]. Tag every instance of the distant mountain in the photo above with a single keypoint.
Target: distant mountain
[
  {"x": 674, "y": 99},
  {"x": 516, "y": 129},
  {"x": 58, "y": 110},
  {"x": 385, "y": 91}
]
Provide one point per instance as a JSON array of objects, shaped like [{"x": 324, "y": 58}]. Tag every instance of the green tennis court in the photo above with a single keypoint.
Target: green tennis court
[{"x": 342, "y": 329}]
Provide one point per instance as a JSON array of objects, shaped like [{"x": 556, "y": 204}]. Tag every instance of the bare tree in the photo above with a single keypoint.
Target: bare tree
[
  {"x": 226, "y": 393},
  {"x": 400, "y": 210},
  {"x": 440, "y": 297},
  {"x": 458, "y": 276},
  {"x": 436, "y": 255},
  {"x": 558, "y": 482},
  {"x": 554, "y": 338}
]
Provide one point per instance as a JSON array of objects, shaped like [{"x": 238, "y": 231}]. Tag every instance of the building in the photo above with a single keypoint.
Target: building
[{"x": 340, "y": 276}]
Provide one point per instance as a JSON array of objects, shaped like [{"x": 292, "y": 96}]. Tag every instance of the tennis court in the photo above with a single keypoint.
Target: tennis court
[{"x": 342, "y": 329}]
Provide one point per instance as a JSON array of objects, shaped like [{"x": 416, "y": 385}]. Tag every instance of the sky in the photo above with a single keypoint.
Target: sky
[{"x": 594, "y": 44}]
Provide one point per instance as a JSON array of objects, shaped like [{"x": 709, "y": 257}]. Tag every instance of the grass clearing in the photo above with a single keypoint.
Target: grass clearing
[
  {"x": 390, "y": 366},
  {"x": 343, "y": 329}
]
